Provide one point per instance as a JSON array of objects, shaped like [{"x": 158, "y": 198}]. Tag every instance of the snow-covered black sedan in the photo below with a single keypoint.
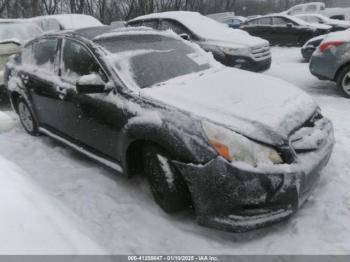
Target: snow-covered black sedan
[{"x": 243, "y": 149}]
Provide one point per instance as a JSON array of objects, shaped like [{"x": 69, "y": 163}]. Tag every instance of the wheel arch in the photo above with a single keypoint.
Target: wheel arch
[{"x": 340, "y": 70}]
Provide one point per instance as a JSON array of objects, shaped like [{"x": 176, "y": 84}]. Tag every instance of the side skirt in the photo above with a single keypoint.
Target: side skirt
[{"x": 103, "y": 161}]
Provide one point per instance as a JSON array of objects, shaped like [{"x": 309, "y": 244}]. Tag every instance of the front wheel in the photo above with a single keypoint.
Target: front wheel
[
  {"x": 27, "y": 118},
  {"x": 167, "y": 185},
  {"x": 343, "y": 81}
]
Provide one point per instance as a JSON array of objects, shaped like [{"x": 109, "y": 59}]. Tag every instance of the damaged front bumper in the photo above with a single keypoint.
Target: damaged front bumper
[{"x": 237, "y": 197}]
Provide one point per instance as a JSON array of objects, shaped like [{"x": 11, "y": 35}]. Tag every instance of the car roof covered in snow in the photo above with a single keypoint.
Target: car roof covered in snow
[
  {"x": 71, "y": 21},
  {"x": 99, "y": 32}
]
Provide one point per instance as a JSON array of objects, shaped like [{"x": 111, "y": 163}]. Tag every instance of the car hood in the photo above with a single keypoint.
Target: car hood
[
  {"x": 235, "y": 37},
  {"x": 317, "y": 26},
  {"x": 260, "y": 107},
  {"x": 336, "y": 22}
]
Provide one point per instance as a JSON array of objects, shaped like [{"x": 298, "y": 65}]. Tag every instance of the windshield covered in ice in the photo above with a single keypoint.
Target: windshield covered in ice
[
  {"x": 20, "y": 32},
  {"x": 150, "y": 59}
]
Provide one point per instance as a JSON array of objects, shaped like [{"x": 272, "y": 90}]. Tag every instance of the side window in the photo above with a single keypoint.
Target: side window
[
  {"x": 296, "y": 10},
  {"x": 45, "y": 54},
  {"x": 51, "y": 25},
  {"x": 279, "y": 21},
  {"x": 151, "y": 23},
  {"x": 135, "y": 24},
  {"x": 264, "y": 21},
  {"x": 77, "y": 61},
  {"x": 176, "y": 27},
  {"x": 311, "y": 8}
]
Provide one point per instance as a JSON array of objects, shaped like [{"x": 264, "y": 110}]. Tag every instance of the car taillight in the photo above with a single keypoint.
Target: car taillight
[{"x": 327, "y": 45}]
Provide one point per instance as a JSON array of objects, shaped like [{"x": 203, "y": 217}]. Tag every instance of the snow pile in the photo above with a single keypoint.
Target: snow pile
[
  {"x": 6, "y": 122},
  {"x": 33, "y": 223}
]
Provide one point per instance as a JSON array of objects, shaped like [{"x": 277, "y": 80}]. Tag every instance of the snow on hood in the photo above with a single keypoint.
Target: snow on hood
[
  {"x": 260, "y": 107},
  {"x": 208, "y": 28}
]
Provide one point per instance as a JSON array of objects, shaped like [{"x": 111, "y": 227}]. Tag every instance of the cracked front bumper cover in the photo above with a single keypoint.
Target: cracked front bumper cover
[{"x": 237, "y": 198}]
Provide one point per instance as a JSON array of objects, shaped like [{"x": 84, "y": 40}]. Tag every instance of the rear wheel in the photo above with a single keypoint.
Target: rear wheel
[
  {"x": 27, "y": 118},
  {"x": 343, "y": 81},
  {"x": 168, "y": 187}
]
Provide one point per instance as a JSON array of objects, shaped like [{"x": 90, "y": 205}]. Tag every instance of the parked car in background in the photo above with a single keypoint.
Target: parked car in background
[
  {"x": 233, "y": 48},
  {"x": 229, "y": 19},
  {"x": 313, "y": 7},
  {"x": 337, "y": 25},
  {"x": 51, "y": 23},
  {"x": 331, "y": 60},
  {"x": 310, "y": 47},
  {"x": 13, "y": 34},
  {"x": 284, "y": 30},
  {"x": 206, "y": 135},
  {"x": 340, "y": 13},
  {"x": 118, "y": 24}
]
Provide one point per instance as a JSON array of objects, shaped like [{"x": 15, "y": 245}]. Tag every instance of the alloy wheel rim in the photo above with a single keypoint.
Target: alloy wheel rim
[
  {"x": 346, "y": 83},
  {"x": 26, "y": 117}
]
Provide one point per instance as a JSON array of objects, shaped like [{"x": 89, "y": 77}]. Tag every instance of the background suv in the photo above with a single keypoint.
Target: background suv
[{"x": 233, "y": 48}]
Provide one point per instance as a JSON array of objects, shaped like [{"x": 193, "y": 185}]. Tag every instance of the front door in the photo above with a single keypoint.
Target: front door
[{"x": 95, "y": 120}]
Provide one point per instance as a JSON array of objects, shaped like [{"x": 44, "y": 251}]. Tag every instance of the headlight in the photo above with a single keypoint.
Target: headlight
[{"x": 235, "y": 147}]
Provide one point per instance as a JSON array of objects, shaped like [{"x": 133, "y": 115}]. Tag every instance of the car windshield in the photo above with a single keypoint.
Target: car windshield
[
  {"x": 151, "y": 59},
  {"x": 20, "y": 32}
]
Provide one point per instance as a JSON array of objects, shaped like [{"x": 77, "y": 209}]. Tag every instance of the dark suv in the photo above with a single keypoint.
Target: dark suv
[{"x": 207, "y": 136}]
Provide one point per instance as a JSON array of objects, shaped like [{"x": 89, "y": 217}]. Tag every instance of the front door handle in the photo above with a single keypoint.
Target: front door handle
[{"x": 62, "y": 92}]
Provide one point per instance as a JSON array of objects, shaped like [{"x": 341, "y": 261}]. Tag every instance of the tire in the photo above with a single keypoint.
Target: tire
[
  {"x": 170, "y": 192},
  {"x": 27, "y": 118},
  {"x": 343, "y": 81}
]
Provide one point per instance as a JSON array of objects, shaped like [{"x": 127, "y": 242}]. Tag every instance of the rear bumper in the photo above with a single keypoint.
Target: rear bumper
[
  {"x": 324, "y": 66},
  {"x": 239, "y": 198},
  {"x": 247, "y": 63}
]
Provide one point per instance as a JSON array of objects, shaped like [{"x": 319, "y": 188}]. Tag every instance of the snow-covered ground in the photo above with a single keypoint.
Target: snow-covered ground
[{"x": 121, "y": 216}]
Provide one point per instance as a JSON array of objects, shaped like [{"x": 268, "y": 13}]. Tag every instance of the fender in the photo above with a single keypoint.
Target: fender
[{"x": 153, "y": 127}]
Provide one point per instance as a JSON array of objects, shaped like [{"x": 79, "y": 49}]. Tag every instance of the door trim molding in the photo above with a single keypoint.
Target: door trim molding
[{"x": 93, "y": 156}]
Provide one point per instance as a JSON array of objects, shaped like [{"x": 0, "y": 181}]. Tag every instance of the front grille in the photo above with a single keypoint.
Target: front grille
[{"x": 261, "y": 52}]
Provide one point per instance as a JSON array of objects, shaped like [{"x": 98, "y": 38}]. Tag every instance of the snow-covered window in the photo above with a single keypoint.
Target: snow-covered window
[
  {"x": 311, "y": 8},
  {"x": 175, "y": 26},
  {"x": 78, "y": 61},
  {"x": 151, "y": 23},
  {"x": 295, "y": 10},
  {"x": 45, "y": 54}
]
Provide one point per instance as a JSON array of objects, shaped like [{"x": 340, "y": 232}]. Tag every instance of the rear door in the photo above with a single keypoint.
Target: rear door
[
  {"x": 40, "y": 75},
  {"x": 260, "y": 27},
  {"x": 283, "y": 31}
]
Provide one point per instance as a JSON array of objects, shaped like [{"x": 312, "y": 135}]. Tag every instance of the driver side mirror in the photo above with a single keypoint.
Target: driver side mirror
[
  {"x": 185, "y": 37},
  {"x": 91, "y": 84}
]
